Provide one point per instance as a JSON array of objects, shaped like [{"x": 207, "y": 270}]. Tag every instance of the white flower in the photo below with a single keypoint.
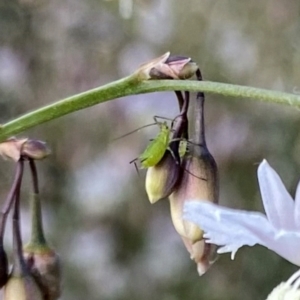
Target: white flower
[
  {"x": 287, "y": 290},
  {"x": 278, "y": 230}
]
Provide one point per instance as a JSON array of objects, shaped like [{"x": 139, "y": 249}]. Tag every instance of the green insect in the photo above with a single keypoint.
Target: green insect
[{"x": 156, "y": 148}]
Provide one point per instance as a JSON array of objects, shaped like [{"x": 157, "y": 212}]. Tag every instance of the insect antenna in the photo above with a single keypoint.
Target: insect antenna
[
  {"x": 133, "y": 131},
  {"x": 163, "y": 118}
]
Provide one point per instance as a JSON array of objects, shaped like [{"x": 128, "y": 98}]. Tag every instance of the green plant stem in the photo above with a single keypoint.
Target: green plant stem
[{"x": 131, "y": 85}]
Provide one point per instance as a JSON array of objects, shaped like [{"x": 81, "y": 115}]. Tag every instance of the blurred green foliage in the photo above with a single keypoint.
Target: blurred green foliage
[{"x": 113, "y": 243}]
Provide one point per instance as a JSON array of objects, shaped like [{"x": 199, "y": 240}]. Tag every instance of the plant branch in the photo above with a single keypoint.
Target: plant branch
[{"x": 132, "y": 85}]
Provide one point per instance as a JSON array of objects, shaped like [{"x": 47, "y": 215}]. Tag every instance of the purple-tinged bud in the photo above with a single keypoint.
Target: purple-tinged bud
[
  {"x": 182, "y": 66},
  {"x": 21, "y": 284},
  {"x": 35, "y": 149},
  {"x": 42, "y": 261},
  {"x": 143, "y": 72},
  {"x": 44, "y": 265},
  {"x": 11, "y": 148},
  {"x": 167, "y": 67},
  {"x": 199, "y": 181}
]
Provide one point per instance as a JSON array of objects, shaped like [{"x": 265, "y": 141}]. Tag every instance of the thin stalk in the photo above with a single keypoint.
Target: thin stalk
[
  {"x": 19, "y": 265},
  {"x": 185, "y": 108},
  {"x": 181, "y": 126},
  {"x": 10, "y": 198},
  {"x": 199, "y": 127},
  {"x": 34, "y": 176},
  {"x": 132, "y": 85},
  {"x": 180, "y": 99},
  {"x": 37, "y": 232}
]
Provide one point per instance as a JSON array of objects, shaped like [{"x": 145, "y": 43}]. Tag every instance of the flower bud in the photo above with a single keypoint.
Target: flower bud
[
  {"x": 3, "y": 267},
  {"x": 175, "y": 67},
  {"x": 167, "y": 67},
  {"x": 143, "y": 72},
  {"x": 35, "y": 149},
  {"x": 203, "y": 254},
  {"x": 11, "y": 148},
  {"x": 22, "y": 288},
  {"x": 162, "y": 178},
  {"x": 42, "y": 262},
  {"x": 182, "y": 66},
  {"x": 199, "y": 181},
  {"x": 44, "y": 265}
]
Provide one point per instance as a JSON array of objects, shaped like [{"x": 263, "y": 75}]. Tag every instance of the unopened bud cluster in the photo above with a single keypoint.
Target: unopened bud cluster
[
  {"x": 35, "y": 271},
  {"x": 187, "y": 170},
  {"x": 167, "y": 67}
]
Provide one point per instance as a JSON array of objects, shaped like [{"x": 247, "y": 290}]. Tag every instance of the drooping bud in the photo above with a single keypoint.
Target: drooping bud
[
  {"x": 167, "y": 67},
  {"x": 161, "y": 179},
  {"x": 3, "y": 218},
  {"x": 22, "y": 288},
  {"x": 44, "y": 265},
  {"x": 42, "y": 261},
  {"x": 20, "y": 285},
  {"x": 203, "y": 254},
  {"x": 35, "y": 149},
  {"x": 199, "y": 180}
]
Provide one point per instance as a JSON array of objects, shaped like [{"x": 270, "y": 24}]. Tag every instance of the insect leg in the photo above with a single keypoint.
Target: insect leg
[
  {"x": 201, "y": 178},
  {"x": 185, "y": 170},
  {"x": 177, "y": 160},
  {"x": 135, "y": 165}
]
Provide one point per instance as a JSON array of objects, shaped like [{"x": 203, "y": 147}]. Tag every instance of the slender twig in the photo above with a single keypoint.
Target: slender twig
[
  {"x": 131, "y": 85},
  {"x": 35, "y": 179},
  {"x": 19, "y": 266},
  {"x": 37, "y": 232},
  {"x": 10, "y": 197}
]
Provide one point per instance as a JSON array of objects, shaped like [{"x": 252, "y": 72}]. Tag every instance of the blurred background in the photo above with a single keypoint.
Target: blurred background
[{"x": 113, "y": 243}]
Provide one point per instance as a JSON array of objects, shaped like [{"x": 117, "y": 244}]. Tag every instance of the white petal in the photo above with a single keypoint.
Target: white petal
[
  {"x": 294, "y": 277},
  {"x": 228, "y": 227},
  {"x": 278, "y": 203},
  {"x": 287, "y": 245},
  {"x": 297, "y": 206},
  {"x": 233, "y": 229},
  {"x": 279, "y": 292}
]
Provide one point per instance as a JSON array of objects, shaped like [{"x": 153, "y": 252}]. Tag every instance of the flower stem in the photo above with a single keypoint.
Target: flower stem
[
  {"x": 37, "y": 232},
  {"x": 19, "y": 266},
  {"x": 199, "y": 130},
  {"x": 133, "y": 85},
  {"x": 10, "y": 198}
]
